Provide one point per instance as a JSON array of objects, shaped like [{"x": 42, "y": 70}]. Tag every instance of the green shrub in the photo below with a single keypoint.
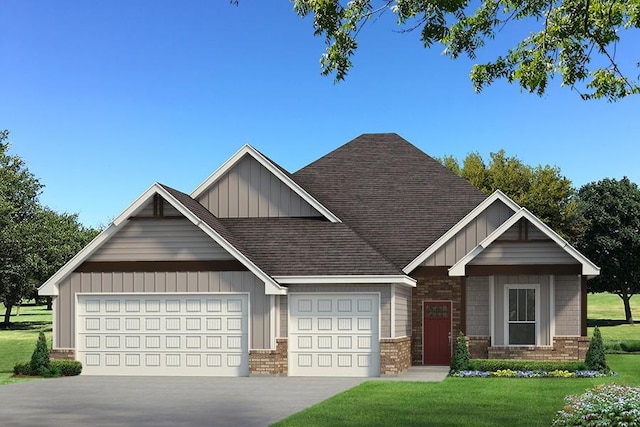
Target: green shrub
[
  {"x": 603, "y": 405},
  {"x": 40, "y": 357},
  {"x": 596, "y": 359},
  {"x": 493, "y": 365},
  {"x": 630, "y": 346},
  {"x": 67, "y": 368},
  {"x": 52, "y": 372},
  {"x": 22, "y": 369},
  {"x": 460, "y": 359}
]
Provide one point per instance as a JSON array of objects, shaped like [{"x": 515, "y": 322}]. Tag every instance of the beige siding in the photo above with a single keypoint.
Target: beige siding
[
  {"x": 249, "y": 190},
  {"x": 403, "y": 311},
  {"x": 163, "y": 282},
  {"x": 513, "y": 233},
  {"x": 478, "y": 320},
  {"x": 160, "y": 240},
  {"x": 167, "y": 210},
  {"x": 469, "y": 237},
  {"x": 385, "y": 299},
  {"x": 567, "y": 305},
  {"x": 544, "y": 320},
  {"x": 523, "y": 254}
]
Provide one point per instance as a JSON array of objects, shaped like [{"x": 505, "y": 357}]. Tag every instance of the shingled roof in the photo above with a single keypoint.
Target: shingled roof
[{"x": 390, "y": 193}]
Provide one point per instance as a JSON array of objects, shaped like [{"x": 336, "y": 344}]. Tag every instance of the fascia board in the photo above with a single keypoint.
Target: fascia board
[
  {"x": 497, "y": 195},
  {"x": 249, "y": 150},
  {"x": 346, "y": 279}
]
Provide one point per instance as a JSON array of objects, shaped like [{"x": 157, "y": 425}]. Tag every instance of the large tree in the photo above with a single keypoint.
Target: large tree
[
  {"x": 610, "y": 210},
  {"x": 541, "y": 189},
  {"x": 575, "y": 39}
]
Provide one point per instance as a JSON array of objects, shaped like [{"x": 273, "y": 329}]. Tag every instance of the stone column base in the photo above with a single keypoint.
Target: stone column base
[
  {"x": 62, "y": 354},
  {"x": 395, "y": 355},
  {"x": 269, "y": 362}
]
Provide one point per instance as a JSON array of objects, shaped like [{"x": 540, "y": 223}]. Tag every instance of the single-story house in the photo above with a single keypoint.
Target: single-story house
[{"x": 366, "y": 261}]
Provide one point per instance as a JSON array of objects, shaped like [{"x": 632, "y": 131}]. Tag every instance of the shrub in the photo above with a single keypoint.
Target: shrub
[
  {"x": 67, "y": 368},
  {"x": 22, "y": 369},
  {"x": 630, "y": 346},
  {"x": 460, "y": 359},
  {"x": 603, "y": 405},
  {"x": 40, "y": 357},
  {"x": 493, "y": 365},
  {"x": 595, "y": 358}
]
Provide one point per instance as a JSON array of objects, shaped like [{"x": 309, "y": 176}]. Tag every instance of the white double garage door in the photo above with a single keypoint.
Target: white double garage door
[{"x": 208, "y": 334}]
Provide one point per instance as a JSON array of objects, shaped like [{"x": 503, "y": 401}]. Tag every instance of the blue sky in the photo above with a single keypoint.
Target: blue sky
[{"x": 104, "y": 98}]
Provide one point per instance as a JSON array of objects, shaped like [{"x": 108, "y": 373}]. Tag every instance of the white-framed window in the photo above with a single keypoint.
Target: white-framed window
[{"x": 522, "y": 314}]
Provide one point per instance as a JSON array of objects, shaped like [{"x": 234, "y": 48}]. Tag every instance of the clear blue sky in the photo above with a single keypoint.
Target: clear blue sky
[{"x": 104, "y": 98}]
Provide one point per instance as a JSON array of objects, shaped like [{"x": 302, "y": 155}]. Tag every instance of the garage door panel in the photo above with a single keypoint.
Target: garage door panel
[
  {"x": 163, "y": 334},
  {"x": 334, "y": 335}
]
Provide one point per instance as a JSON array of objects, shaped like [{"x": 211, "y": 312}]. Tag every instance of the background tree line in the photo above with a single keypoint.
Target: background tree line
[
  {"x": 601, "y": 219},
  {"x": 35, "y": 241}
]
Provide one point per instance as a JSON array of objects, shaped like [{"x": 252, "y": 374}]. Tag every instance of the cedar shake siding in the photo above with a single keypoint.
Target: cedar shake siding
[
  {"x": 478, "y": 321},
  {"x": 567, "y": 305},
  {"x": 250, "y": 190},
  {"x": 163, "y": 282}
]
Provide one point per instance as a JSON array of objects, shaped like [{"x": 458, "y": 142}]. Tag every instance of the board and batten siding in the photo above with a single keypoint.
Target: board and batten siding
[
  {"x": 385, "y": 302},
  {"x": 249, "y": 190},
  {"x": 164, "y": 282},
  {"x": 468, "y": 238},
  {"x": 567, "y": 305},
  {"x": 478, "y": 317},
  {"x": 526, "y": 253},
  {"x": 403, "y": 311},
  {"x": 160, "y": 240}
]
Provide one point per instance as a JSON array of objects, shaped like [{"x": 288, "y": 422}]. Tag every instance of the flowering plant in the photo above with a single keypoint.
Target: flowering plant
[
  {"x": 603, "y": 405},
  {"x": 509, "y": 373}
]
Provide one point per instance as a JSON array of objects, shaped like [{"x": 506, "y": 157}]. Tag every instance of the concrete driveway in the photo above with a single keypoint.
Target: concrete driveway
[{"x": 162, "y": 401}]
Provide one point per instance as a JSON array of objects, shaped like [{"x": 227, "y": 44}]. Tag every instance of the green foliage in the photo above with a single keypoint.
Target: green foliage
[
  {"x": 541, "y": 189},
  {"x": 596, "y": 358},
  {"x": 610, "y": 210},
  {"x": 460, "y": 359},
  {"x": 40, "y": 362},
  {"x": 617, "y": 347},
  {"x": 22, "y": 369},
  {"x": 67, "y": 368},
  {"x": 493, "y": 365},
  {"x": 603, "y": 405},
  {"x": 572, "y": 39}
]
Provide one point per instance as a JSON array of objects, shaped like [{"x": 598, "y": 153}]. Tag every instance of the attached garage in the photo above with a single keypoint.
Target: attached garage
[
  {"x": 334, "y": 334},
  {"x": 163, "y": 334}
]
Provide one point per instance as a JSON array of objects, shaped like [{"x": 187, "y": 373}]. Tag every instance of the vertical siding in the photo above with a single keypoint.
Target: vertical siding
[
  {"x": 466, "y": 239},
  {"x": 160, "y": 240},
  {"x": 478, "y": 319},
  {"x": 385, "y": 299},
  {"x": 544, "y": 320},
  {"x": 403, "y": 311},
  {"x": 249, "y": 190},
  {"x": 567, "y": 305},
  {"x": 164, "y": 282},
  {"x": 522, "y": 254}
]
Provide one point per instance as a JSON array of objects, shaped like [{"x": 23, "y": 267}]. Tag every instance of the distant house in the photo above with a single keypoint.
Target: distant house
[{"x": 366, "y": 261}]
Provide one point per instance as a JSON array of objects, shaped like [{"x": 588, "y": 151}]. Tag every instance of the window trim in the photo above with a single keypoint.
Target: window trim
[{"x": 507, "y": 288}]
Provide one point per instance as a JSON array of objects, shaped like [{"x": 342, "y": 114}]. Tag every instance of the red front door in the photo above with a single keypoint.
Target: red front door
[{"x": 437, "y": 333}]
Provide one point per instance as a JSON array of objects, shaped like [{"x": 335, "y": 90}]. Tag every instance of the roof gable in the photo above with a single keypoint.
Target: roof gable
[
  {"x": 588, "y": 268},
  {"x": 251, "y": 185},
  {"x": 391, "y": 193},
  {"x": 187, "y": 207}
]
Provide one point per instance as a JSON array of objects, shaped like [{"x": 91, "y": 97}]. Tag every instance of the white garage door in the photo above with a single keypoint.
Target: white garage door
[
  {"x": 334, "y": 335},
  {"x": 163, "y": 334}
]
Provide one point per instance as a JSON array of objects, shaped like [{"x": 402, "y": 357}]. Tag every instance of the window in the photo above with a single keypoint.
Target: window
[{"x": 521, "y": 312}]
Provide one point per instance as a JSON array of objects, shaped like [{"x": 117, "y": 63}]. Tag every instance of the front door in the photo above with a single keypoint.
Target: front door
[{"x": 437, "y": 333}]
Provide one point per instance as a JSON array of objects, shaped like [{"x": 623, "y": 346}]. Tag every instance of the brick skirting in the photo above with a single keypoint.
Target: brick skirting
[
  {"x": 269, "y": 362},
  {"x": 62, "y": 354},
  {"x": 563, "y": 348},
  {"x": 395, "y": 355},
  {"x": 478, "y": 346}
]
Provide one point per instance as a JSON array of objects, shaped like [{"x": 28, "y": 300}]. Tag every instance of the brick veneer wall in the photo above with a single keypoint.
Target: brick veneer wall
[
  {"x": 395, "y": 355},
  {"x": 62, "y": 354},
  {"x": 269, "y": 362},
  {"x": 563, "y": 348},
  {"x": 435, "y": 289},
  {"x": 478, "y": 346}
]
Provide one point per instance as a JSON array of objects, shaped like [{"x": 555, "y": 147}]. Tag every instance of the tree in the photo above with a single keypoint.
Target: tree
[
  {"x": 541, "y": 189},
  {"x": 595, "y": 358},
  {"x": 610, "y": 211},
  {"x": 575, "y": 39}
]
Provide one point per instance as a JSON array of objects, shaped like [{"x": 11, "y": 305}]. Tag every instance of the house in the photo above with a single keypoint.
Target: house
[{"x": 366, "y": 261}]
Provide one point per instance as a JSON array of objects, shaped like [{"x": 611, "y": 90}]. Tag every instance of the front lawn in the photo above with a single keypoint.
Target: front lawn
[
  {"x": 457, "y": 401},
  {"x": 607, "y": 312},
  {"x": 17, "y": 344}
]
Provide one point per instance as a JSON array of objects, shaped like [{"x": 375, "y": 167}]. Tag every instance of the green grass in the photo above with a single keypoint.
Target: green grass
[
  {"x": 17, "y": 344},
  {"x": 607, "y": 312},
  {"x": 457, "y": 401}
]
